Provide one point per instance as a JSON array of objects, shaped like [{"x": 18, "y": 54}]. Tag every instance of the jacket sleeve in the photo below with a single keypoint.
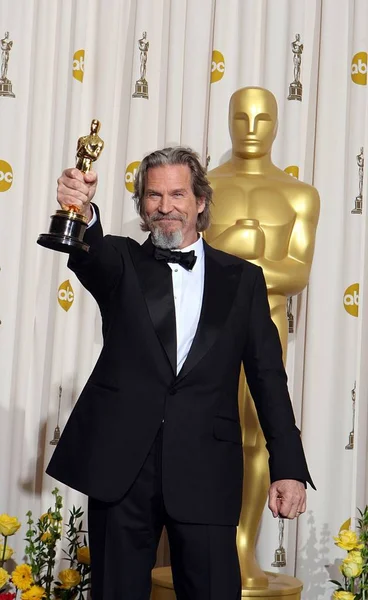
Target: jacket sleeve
[
  {"x": 267, "y": 380},
  {"x": 100, "y": 269}
]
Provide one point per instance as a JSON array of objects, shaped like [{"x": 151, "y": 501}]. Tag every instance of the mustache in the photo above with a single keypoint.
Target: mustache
[{"x": 157, "y": 216}]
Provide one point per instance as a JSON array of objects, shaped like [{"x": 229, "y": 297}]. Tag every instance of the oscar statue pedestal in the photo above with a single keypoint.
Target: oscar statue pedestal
[
  {"x": 141, "y": 89},
  {"x": 279, "y": 586},
  {"x": 6, "y": 88},
  {"x": 295, "y": 91}
]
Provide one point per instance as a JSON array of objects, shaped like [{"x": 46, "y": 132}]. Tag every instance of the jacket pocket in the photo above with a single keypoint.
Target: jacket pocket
[
  {"x": 227, "y": 430},
  {"x": 105, "y": 386}
]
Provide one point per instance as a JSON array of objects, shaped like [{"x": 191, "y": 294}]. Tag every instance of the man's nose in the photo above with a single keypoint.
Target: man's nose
[{"x": 165, "y": 205}]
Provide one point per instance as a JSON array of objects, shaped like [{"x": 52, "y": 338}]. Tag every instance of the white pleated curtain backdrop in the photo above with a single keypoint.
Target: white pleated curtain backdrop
[{"x": 43, "y": 346}]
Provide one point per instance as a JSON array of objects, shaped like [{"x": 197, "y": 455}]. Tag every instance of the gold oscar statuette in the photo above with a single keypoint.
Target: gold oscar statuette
[
  {"x": 141, "y": 85},
  {"x": 67, "y": 226},
  {"x": 56, "y": 437},
  {"x": 358, "y": 207},
  {"x": 280, "y": 554},
  {"x": 5, "y": 84},
  {"x": 296, "y": 88},
  {"x": 262, "y": 215},
  {"x": 350, "y": 444}
]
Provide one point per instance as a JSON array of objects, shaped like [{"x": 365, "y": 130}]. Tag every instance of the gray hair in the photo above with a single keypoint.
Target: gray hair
[{"x": 175, "y": 156}]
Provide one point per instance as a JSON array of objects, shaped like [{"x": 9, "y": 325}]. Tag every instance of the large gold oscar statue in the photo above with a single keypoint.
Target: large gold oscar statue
[{"x": 263, "y": 215}]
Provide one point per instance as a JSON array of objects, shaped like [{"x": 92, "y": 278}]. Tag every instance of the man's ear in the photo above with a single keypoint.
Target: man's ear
[{"x": 201, "y": 204}]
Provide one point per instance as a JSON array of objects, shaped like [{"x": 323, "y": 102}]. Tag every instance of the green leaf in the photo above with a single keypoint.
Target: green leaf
[{"x": 335, "y": 582}]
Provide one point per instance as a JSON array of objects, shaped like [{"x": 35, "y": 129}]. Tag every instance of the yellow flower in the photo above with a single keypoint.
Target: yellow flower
[
  {"x": 350, "y": 568},
  {"x": 343, "y": 595},
  {"x": 4, "y": 578},
  {"x": 22, "y": 577},
  {"x": 46, "y": 537},
  {"x": 48, "y": 520},
  {"x": 69, "y": 578},
  {"x": 348, "y": 540},
  {"x": 46, "y": 517},
  {"x": 346, "y": 524},
  {"x": 8, "y": 552},
  {"x": 8, "y": 525},
  {"x": 83, "y": 555},
  {"x": 356, "y": 556},
  {"x": 34, "y": 593}
]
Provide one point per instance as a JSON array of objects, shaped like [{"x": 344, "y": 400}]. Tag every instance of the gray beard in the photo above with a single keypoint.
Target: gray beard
[{"x": 166, "y": 240}]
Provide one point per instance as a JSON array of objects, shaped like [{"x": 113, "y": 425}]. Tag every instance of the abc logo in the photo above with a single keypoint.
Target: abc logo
[
  {"x": 292, "y": 170},
  {"x": 65, "y": 295},
  {"x": 351, "y": 300},
  {"x": 6, "y": 176},
  {"x": 130, "y": 174},
  {"x": 217, "y": 66},
  {"x": 78, "y": 65},
  {"x": 359, "y": 68}
]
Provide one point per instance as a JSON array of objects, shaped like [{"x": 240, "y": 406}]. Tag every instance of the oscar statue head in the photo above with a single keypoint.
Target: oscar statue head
[
  {"x": 95, "y": 126},
  {"x": 252, "y": 122}
]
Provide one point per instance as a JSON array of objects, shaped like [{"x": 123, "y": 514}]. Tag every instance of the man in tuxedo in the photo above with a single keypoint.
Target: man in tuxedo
[{"x": 156, "y": 428}]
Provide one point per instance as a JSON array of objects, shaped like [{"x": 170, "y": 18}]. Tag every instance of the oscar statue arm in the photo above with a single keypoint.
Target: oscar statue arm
[
  {"x": 267, "y": 380},
  {"x": 94, "y": 149},
  {"x": 80, "y": 143},
  {"x": 100, "y": 269},
  {"x": 290, "y": 275},
  {"x": 287, "y": 275}
]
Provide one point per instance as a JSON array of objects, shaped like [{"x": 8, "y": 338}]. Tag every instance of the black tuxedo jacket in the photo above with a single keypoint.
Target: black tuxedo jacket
[{"x": 134, "y": 388}]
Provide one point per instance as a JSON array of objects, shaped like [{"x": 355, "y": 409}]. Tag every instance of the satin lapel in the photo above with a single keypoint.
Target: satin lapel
[
  {"x": 220, "y": 286},
  {"x": 155, "y": 279}
]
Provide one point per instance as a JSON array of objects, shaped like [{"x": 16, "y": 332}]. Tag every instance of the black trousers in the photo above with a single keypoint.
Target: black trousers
[{"x": 124, "y": 536}]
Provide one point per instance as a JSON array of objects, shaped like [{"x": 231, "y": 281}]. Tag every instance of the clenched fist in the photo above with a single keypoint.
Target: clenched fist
[{"x": 75, "y": 191}]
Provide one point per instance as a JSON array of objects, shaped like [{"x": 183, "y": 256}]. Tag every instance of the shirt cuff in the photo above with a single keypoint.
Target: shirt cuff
[{"x": 94, "y": 217}]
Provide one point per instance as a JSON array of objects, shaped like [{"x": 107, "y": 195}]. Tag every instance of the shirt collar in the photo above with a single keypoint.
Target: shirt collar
[{"x": 197, "y": 247}]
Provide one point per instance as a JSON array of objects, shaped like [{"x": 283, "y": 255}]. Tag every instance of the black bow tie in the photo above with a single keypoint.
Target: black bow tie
[{"x": 185, "y": 259}]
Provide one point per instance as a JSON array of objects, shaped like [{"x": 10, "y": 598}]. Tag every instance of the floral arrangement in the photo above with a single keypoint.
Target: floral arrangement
[
  {"x": 354, "y": 566},
  {"x": 35, "y": 579}
]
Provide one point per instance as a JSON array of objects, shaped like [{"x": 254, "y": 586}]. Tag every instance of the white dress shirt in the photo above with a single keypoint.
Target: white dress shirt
[{"x": 188, "y": 295}]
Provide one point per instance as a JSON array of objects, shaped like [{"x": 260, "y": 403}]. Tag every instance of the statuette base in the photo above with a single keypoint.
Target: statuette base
[
  {"x": 141, "y": 89},
  {"x": 279, "y": 586},
  {"x": 357, "y": 210},
  {"x": 65, "y": 233},
  {"x": 295, "y": 91},
  {"x": 6, "y": 88}
]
